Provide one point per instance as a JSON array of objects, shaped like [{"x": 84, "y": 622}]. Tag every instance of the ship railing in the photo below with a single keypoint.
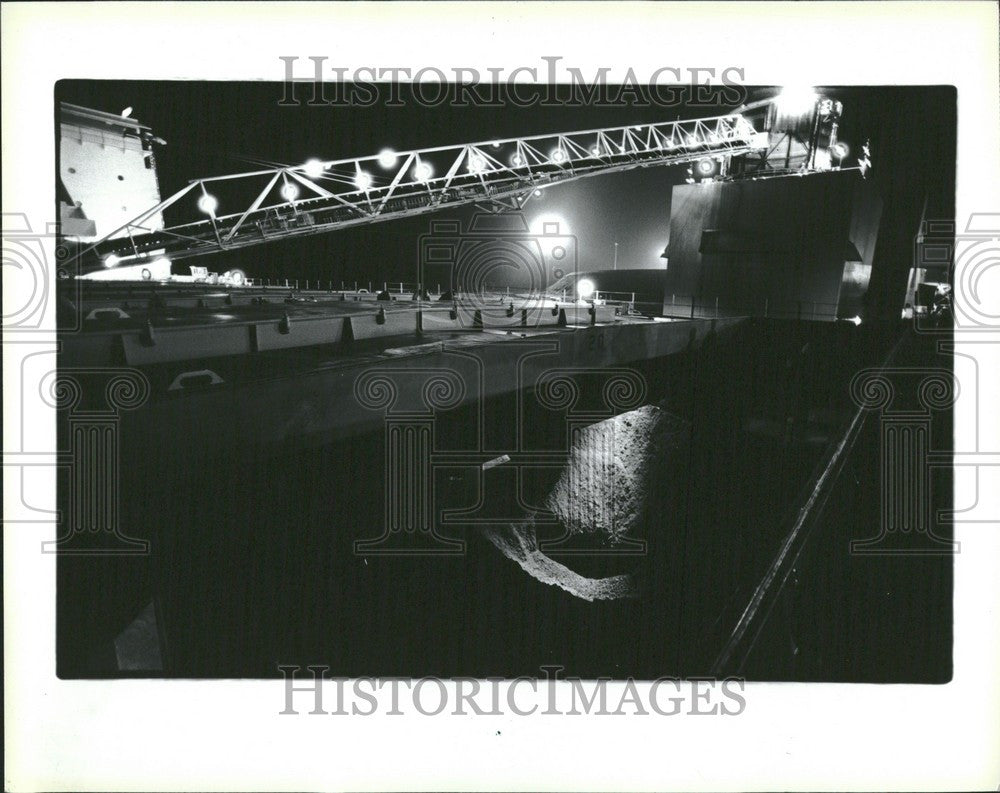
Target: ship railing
[{"x": 680, "y": 306}]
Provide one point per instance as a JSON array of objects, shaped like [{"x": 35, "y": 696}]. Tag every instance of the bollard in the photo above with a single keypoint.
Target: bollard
[{"x": 148, "y": 339}]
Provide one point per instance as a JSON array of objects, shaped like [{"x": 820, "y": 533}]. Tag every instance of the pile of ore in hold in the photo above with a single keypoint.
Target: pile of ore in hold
[{"x": 601, "y": 497}]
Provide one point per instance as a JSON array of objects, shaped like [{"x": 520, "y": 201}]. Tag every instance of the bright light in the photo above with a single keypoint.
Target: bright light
[
  {"x": 208, "y": 203},
  {"x": 706, "y": 166},
  {"x": 585, "y": 288},
  {"x": 840, "y": 150},
  {"x": 423, "y": 172},
  {"x": 111, "y": 260},
  {"x": 517, "y": 160},
  {"x": 692, "y": 140},
  {"x": 386, "y": 158},
  {"x": 538, "y": 191},
  {"x": 495, "y": 144},
  {"x": 557, "y": 156},
  {"x": 289, "y": 192},
  {"x": 163, "y": 263},
  {"x": 795, "y": 101},
  {"x": 236, "y": 277},
  {"x": 476, "y": 163},
  {"x": 596, "y": 151},
  {"x": 127, "y": 112},
  {"x": 362, "y": 180},
  {"x": 551, "y": 225},
  {"x": 855, "y": 320},
  {"x": 313, "y": 169}
]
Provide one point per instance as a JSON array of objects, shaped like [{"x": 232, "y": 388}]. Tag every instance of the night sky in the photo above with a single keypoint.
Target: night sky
[{"x": 216, "y": 128}]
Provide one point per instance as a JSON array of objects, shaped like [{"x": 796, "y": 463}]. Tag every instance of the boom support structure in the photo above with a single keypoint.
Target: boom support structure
[{"x": 322, "y": 196}]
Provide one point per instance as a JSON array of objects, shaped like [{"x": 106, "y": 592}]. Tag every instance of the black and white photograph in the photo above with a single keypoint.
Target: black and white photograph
[
  {"x": 482, "y": 394},
  {"x": 475, "y": 402}
]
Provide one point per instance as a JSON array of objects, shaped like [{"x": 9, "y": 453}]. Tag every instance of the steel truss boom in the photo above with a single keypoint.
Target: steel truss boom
[{"x": 288, "y": 202}]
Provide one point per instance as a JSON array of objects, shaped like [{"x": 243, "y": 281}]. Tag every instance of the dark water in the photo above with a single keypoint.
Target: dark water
[{"x": 254, "y": 563}]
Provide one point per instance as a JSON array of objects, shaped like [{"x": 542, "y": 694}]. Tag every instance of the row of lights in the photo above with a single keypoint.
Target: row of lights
[
  {"x": 423, "y": 171},
  {"x": 558, "y": 156},
  {"x": 314, "y": 169},
  {"x": 477, "y": 163}
]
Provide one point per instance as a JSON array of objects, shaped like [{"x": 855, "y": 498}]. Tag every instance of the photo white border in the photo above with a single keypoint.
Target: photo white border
[{"x": 133, "y": 735}]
